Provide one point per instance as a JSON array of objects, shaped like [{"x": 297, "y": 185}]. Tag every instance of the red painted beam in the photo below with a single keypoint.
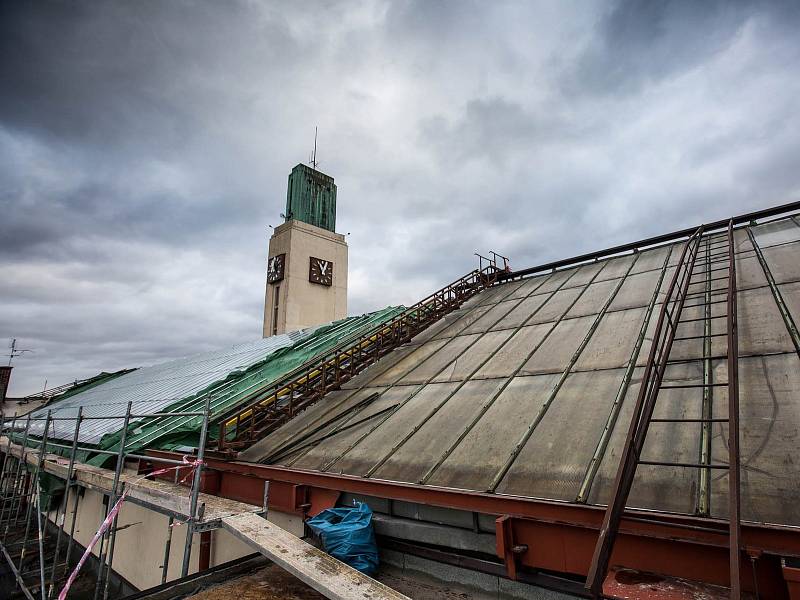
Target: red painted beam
[
  {"x": 792, "y": 577},
  {"x": 772, "y": 539},
  {"x": 559, "y": 536}
]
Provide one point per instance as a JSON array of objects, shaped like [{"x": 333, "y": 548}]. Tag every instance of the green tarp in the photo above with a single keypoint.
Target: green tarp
[{"x": 171, "y": 433}]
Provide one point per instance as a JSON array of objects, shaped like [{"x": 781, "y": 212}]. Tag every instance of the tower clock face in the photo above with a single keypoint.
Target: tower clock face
[
  {"x": 275, "y": 268},
  {"x": 320, "y": 271}
]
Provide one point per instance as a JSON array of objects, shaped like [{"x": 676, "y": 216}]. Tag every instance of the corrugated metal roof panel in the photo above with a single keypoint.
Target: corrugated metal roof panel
[
  {"x": 229, "y": 376},
  {"x": 153, "y": 388}
]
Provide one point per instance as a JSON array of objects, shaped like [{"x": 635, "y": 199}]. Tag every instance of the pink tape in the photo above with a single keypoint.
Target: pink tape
[
  {"x": 103, "y": 526},
  {"x": 191, "y": 464}
]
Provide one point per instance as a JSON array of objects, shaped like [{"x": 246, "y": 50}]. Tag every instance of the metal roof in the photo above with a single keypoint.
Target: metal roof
[
  {"x": 452, "y": 407},
  {"x": 152, "y": 389},
  {"x": 228, "y": 376}
]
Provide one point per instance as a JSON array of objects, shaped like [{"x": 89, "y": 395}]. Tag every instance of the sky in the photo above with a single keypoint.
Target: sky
[{"x": 145, "y": 149}]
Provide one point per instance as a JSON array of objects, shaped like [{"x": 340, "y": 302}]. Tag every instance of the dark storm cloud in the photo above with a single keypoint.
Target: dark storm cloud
[
  {"x": 123, "y": 72},
  {"x": 496, "y": 128},
  {"x": 639, "y": 42},
  {"x": 642, "y": 42},
  {"x": 144, "y": 149}
]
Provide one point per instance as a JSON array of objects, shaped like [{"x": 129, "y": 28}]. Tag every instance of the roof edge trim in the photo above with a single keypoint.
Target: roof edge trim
[{"x": 659, "y": 239}]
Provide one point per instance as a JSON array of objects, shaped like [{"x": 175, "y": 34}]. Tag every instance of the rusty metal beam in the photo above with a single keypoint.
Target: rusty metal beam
[
  {"x": 734, "y": 515},
  {"x": 642, "y": 412},
  {"x": 292, "y": 488},
  {"x": 560, "y": 536}
]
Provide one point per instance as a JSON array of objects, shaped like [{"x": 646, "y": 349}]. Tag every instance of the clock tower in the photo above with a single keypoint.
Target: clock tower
[{"x": 307, "y": 262}]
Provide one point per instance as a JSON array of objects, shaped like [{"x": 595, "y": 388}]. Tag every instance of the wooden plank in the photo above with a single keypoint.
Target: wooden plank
[
  {"x": 321, "y": 571},
  {"x": 189, "y": 585}
]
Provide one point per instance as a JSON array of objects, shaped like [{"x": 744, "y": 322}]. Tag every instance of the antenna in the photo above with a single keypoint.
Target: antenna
[
  {"x": 15, "y": 351},
  {"x": 313, "y": 161}
]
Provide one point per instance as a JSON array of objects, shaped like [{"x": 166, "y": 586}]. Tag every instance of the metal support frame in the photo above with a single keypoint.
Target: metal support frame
[
  {"x": 104, "y": 571},
  {"x": 351, "y": 418},
  {"x": 491, "y": 400},
  {"x": 703, "y": 506},
  {"x": 16, "y": 488},
  {"x": 167, "y": 546},
  {"x": 61, "y": 522},
  {"x": 5, "y": 474},
  {"x": 786, "y": 315},
  {"x": 33, "y": 492},
  {"x": 734, "y": 490},
  {"x": 269, "y": 408},
  {"x": 560, "y": 535},
  {"x": 40, "y": 532},
  {"x": 501, "y": 473},
  {"x": 187, "y": 551},
  {"x": 616, "y": 406},
  {"x": 20, "y": 581},
  {"x": 438, "y": 405}
]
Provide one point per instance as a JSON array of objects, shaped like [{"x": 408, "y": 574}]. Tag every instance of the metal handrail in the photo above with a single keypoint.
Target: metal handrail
[
  {"x": 408, "y": 318},
  {"x": 345, "y": 343},
  {"x": 346, "y": 359},
  {"x": 55, "y": 391}
]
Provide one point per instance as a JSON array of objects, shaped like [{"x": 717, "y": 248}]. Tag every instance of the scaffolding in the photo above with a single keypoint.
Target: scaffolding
[{"x": 41, "y": 565}]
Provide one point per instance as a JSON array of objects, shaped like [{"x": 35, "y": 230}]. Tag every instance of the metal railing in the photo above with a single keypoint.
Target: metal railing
[{"x": 270, "y": 408}]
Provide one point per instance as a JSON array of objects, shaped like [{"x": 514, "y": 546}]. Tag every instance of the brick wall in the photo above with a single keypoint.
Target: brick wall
[{"x": 5, "y": 377}]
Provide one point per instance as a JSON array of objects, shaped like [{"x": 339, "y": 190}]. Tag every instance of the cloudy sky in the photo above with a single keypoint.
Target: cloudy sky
[{"x": 145, "y": 147}]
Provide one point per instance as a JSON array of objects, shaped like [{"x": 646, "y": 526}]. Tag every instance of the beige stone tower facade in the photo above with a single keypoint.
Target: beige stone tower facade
[{"x": 307, "y": 264}]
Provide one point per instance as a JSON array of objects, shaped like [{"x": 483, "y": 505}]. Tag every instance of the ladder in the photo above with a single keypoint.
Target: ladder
[
  {"x": 269, "y": 408},
  {"x": 710, "y": 257}
]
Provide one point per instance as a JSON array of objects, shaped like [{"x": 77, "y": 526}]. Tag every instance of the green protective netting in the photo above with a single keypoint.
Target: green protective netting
[
  {"x": 174, "y": 432},
  {"x": 51, "y": 488}
]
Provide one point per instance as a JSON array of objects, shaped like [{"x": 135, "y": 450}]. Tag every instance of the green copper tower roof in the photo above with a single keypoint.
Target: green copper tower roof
[{"x": 311, "y": 197}]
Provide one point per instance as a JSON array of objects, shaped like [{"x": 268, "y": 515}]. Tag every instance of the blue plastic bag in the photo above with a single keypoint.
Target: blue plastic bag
[{"x": 347, "y": 534}]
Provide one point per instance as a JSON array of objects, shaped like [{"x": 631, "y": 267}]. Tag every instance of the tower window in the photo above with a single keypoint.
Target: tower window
[{"x": 275, "y": 300}]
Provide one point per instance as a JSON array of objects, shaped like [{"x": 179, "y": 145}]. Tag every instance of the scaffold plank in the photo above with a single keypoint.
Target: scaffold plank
[{"x": 321, "y": 571}]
